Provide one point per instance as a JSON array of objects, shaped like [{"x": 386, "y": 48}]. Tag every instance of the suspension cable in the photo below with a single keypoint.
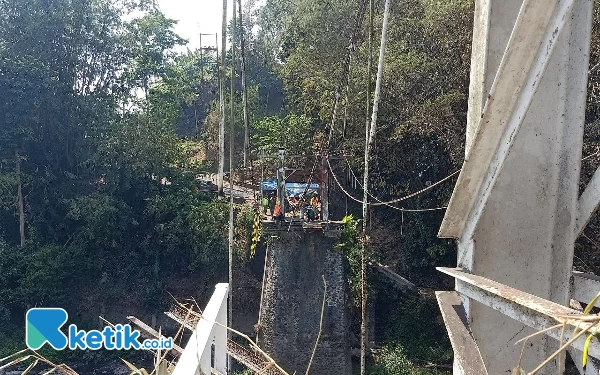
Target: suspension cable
[
  {"x": 386, "y": 203},
  {"x": 380, "y": 202},
  {"x": 397, "y": 200}
]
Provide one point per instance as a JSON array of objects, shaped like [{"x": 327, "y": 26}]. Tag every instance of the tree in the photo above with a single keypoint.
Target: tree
[
  {"x": 150, "y": 39},
  {"x": 290, "y": 132}
]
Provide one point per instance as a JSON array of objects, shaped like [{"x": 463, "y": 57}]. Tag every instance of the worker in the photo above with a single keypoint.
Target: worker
[
  {"x": 311, "y": 213},
  {"x": 302, "y": 204},
  {"x": 277, "y": 216},
  {"x": 265, "y": 205},
  {"x": 314, "y": 201},
  {"x": 293, "y": 205},
  {"x": 272, "y": 202}
]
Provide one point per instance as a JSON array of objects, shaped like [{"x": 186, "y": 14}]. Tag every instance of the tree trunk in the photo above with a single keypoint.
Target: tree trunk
[
  {"x": 20, "y": 200},
  {"x": 231, "y": 165},
  {"x": 244, "y": 88},
  {"x": 370, "y": 132},
  {"x": 222, "y": 101}
]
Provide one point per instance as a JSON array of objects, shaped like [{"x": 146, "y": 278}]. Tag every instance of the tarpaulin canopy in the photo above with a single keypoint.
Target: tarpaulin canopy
[
  {"x": 269, "y": 185},
  {"x": 293, "y": 189}
]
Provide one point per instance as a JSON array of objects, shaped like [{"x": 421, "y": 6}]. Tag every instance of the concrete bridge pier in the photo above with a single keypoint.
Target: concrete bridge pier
[{"x": 292, "y": 298}]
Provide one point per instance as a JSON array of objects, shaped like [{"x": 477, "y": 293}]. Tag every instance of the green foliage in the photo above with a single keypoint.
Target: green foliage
[
  {"x": 413, "y": 324},
  {"x": 110, "y": 204},
  {"x": 291, "y": 132},
  {"x": 350, "y": 245},
  {"x": 392, "y": 360},
  {"x": 150, "y": 38}
]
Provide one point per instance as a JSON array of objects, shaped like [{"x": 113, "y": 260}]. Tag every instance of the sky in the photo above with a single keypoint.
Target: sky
[{"x": 195, "y": 17}]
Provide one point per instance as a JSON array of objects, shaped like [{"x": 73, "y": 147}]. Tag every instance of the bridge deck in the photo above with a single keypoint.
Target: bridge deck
[{"x": 298, "y": 225}]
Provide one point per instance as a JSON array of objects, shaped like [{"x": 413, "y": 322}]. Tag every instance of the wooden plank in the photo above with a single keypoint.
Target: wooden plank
[
  {"x": 467, "y": 359},
  {"x": 179, "y": 320}
]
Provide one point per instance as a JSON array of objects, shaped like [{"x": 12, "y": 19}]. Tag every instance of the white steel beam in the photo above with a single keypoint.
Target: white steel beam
[
  {"x": 530, "y": 47},
  {"x": 588, "y": 203},
  {"x": 584, "y": 287},
  {"x": 526, "y": 308},
  {"x": 467, "y": 359},
  {"x": 592, "y": 364},
  {"x": 480, "y": 75}
]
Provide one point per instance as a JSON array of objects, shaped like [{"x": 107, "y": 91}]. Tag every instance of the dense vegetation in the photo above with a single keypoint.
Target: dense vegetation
[
  {"x": 103, "y": 129},
  {"x": 90, "y": 104}
]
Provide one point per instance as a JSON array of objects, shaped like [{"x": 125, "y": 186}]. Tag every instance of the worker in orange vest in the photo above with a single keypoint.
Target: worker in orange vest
[{"x": 277, "y": 216}]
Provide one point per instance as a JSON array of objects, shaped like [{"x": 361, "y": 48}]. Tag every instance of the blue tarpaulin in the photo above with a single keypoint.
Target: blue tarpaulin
[
  {"x": 294, "y": 189},
  {"x": 269, "y": 185}
]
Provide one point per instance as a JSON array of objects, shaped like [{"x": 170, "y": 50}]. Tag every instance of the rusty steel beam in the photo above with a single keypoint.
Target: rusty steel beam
[{"x": 532, "y": 311}]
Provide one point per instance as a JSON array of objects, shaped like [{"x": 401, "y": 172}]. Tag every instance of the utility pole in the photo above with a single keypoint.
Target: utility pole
[
  {"x": 222, "y": 103},
  {"x": 202, "y": 66},
  {"x": 20, "y": 200},
  {"x": 231, "y": 164},
  {"x": 365, "y": 205},
  {"x": 281, "y": 181},
  {"x": 244, "y": 89}
]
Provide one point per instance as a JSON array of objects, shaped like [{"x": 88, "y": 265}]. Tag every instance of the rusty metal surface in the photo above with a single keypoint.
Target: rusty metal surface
[
  {"x": 246, "y": 357},
  {"x": 253, "y": 361},
  {"x": 467, "y": 357},
  {"x": 147, "y": 332}
]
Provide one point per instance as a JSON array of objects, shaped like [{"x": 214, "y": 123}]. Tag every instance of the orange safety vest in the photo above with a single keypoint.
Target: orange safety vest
[{"x": 277, "y": 211}]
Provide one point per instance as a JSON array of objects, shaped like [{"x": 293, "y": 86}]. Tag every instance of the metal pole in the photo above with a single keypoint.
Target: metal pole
[
  {"x": 262, "y": 177},
  {"x": 244, "y": 90},
  {"x": 281, "y": 181},
  {"x": 201, "y": 60},
  {"x": 217, "y": 48},
  {"x": 222, "y": 102},
  {"x": 324, "y": 188}
]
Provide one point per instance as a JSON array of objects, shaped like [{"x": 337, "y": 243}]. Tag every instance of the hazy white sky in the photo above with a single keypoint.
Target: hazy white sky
[{"x": 195, "y": 17}]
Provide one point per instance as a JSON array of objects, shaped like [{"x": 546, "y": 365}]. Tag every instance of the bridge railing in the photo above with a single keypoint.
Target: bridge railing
[{"x": 206, "y": 351}]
